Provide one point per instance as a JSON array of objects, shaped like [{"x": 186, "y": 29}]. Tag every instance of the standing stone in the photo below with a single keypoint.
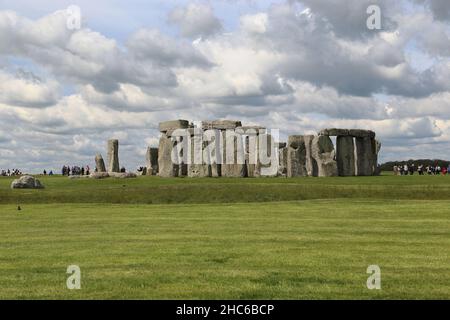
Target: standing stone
[
  {"x": 165, "y": 165},
  {"x": 282, "y": 158},
  {"x": 311, "y": 163},
  {"x": 113, "y": 156},
  {"x": 197, "y": 168},
  {"x": 152, "y": 161},
  {"x": 322, "y": 150},
  {"x": 235, "y": 166},
  {"x": 376, "y": 147},
  {"x": 365, "y": 165},
  {"x": 99, "y": 163},
  {"x": 345, "y": 156},
  {"x": 296, "y": 162}
]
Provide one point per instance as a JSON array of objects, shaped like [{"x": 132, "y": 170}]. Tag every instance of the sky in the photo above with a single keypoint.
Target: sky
[{"x": 294, "y": 65}]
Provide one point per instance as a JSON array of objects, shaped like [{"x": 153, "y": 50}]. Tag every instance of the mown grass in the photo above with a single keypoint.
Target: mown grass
[
  {"x": 153, "y": 238},
  {"x": 155, "y": 190},
  {"x": 293, "y": 250}
]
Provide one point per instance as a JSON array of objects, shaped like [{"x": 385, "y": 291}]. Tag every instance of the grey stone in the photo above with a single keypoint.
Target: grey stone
[
  {"x": 152, "y": 161},
  {"x": 100, "y": 163},
  {"x": 173, "y": 125},
  {"x": 123, "y": 175},
  {"x": 221, "y": 124},
  {"x": 311, "y": 163},
  {"x": 296, "y": 162},
  {"x": 272, "y": 167},
  {"x": 322, "y": 150},
  {"x": 113, "y": 155},
  {"x": 359, "y": 133},
  {"x": 165, "y": 165},
  {"x": 282, "y": 158},
  {"x": 345, "y": 156},
  {"x": 197, "y": 168},
  {"x": 235, "y": 167},
  {"x": 99, "y": 175},
  {"x": 334, "y": 132},
  {"x": 26, "y": 182},
  {"x": 365, "y": 165}
]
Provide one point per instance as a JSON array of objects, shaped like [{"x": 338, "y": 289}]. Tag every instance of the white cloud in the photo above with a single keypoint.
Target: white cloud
[{"x": 196, "y": 20}]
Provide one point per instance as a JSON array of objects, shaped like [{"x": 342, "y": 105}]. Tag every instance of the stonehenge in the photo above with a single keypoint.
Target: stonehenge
[{"x": 225, "y": 148}]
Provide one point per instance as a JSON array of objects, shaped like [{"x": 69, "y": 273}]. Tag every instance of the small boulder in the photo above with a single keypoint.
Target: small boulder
[{"x": 26, "y": 182}]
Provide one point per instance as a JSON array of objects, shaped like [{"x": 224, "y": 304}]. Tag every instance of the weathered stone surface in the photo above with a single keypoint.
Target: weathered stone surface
[
  {"x": 296, "y": 162},
  {"x": 345, "y": 156},
  {"x": 123, "y": 175},
  {"x": 221, "y": 124},
  {"x": 113, "y": 155},
  {"x": 376, "y": 147},
  {"x": 197, "y": 168},
  {"x": 365, "y": 165},
  {"x": 311, "y": 163},
  {"x": 99, "y": 175},
  {"x": 252, "y": 154},
  {"x": 322, "y": 150},
  {"x": 26, "y": 182},
  {"x": 100, "y": 163},
  {"x": 332, "y": 132},
  {"x": 268, "y": 156},
  {"x": 152, "y": 161},
  {"x": 282, "y": 158},
  {"x": 172, "y": 125},
  {"x": 233, "y": 164},
  {"x": 251, "y": 129},
  {"x": 165, "y": 165},
  {"x": 282, "y": 145},
  {"x": 359, "y": 133}
]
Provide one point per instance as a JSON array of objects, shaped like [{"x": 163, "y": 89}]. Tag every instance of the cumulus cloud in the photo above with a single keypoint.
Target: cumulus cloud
[
  {"x": 195, "y": 20},
  {"x": 24, "y": 89},
  {"x": 298, "y": 66}
]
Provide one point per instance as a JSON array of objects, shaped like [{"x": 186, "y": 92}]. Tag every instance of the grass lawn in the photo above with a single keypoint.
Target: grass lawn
[{"x": 151, "y": 238}]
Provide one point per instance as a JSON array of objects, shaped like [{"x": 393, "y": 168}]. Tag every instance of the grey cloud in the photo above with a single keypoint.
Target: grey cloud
[{"x": 195, "y": 20}]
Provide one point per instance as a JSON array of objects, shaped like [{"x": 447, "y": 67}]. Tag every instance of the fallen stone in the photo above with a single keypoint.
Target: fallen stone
[
  {"x": 26, "y": 182},
  {"x": 123, "y": 175},
  {"x": 99, "y": 175}
]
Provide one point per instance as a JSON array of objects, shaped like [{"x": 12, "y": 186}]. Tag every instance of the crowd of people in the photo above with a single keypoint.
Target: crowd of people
[
  {"x": 11, "y": 173},
  {"x": 411, "y": 169},
  {"x": 75, "y": 171}
]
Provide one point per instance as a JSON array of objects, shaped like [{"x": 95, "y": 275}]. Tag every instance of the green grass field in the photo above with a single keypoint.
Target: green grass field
[{"x": 153, "y": 238}]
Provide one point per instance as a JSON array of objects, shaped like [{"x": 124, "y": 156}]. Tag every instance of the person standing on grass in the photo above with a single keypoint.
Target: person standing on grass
[
  {"x": 405, "y": 169},
  {"x": 420, "y": 169},
  {"x": 412, "y": 169},
  {"x": 444, "y": 171},
  {"x": 395, "y": 170}
]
